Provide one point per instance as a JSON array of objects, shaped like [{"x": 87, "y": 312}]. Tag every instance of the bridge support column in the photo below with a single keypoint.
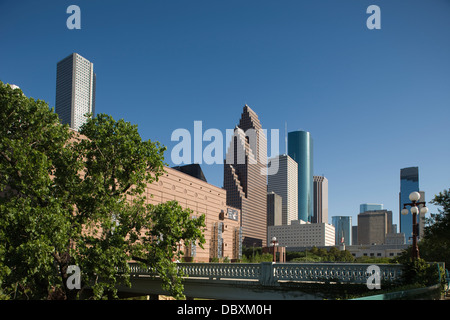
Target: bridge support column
[{"x": 267, "y": 274}]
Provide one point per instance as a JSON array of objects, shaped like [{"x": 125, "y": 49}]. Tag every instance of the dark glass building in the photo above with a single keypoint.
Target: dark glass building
[
  {"x": 300, "y": 148},
  {"x": 409, "y": 182}
]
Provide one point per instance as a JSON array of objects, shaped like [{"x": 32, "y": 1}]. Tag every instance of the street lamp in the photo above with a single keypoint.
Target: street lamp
[
  {"x": 414, "y": 197},
  {"x": 274, "y": 243}
]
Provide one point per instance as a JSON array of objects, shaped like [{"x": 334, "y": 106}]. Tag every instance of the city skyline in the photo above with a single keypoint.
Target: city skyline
[{"x": 369, "y": 98}]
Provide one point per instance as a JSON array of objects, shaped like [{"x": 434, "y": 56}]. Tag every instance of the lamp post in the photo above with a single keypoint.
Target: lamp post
[
  {"x": 414, "y": 197},
  {"x": 274, "y": 243}
]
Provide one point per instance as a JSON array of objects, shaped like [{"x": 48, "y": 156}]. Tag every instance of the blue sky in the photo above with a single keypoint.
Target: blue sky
[{"x": 375, "y": 101}]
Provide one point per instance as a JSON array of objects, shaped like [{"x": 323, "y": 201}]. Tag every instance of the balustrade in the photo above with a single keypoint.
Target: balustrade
[{"x": 270, "y": 273}]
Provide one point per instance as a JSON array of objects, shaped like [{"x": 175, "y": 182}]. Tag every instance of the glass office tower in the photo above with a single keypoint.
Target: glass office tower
[
  {"x": 370, "y": 207},
  {"x": 343, "y": 229},
  {"x": 409, "y": 182},
  {"x": 300, "y": 148}
]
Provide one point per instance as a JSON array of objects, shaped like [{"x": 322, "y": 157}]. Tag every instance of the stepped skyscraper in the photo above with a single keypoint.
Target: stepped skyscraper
[{"x": 245, "y": 177}]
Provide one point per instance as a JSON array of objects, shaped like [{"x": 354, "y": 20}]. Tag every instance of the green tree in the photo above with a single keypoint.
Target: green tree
[
  {"x": 435, "y": 245},
  {"x": 69, "y": 199}
]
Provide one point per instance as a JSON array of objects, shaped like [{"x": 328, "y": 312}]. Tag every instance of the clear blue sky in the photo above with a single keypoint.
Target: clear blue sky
[{"x": 375, "y": 101}]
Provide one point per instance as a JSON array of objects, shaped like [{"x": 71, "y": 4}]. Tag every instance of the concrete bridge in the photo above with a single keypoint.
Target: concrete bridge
[{"x": 263, "y": 281}]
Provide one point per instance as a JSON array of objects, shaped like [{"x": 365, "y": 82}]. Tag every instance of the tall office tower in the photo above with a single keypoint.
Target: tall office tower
[
  {"x": 274, "y": 209},
  {"x": 245, "y": 177},
  {"x": 409, "y": 182},
  {"x": 300, "y": 148},
  {"x": 320, "y": 199},
  {"x": 75, "y": 90},
  {"x": 343, "y": 229},
  {"x": 370, "y": 207},
  {"x": 285, "y": 184},
  {"x": 374, "y": 226}
]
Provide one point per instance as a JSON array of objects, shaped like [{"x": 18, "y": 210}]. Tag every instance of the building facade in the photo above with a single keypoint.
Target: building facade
[
  {"x": 373, "y": 227},
  {"x": 245, "y": 177},
  {"x": 285, "y": 184},
  {"x": 223, "y": 233},
  {"x": 343, "y": 229},
  {"x": 377, "y": 251},
  {"x": 370, "y": 207},
  {"x": 75, "y": 90},
  {"x": 274, "y": 209},
  {"x": 300, "y": 148},
  {"x": 320, "y": 197},
  {"x": 409, "y": 182},
  {"x": 302, "y": 234}
]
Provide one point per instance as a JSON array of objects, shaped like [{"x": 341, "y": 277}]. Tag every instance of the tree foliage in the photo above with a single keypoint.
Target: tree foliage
[
  {"x": 435, "y": 245},
  {"x": 69, "y": 198}
]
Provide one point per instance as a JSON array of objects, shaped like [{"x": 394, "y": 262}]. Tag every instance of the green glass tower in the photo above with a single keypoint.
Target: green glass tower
[{"x": 300, "y": 148}]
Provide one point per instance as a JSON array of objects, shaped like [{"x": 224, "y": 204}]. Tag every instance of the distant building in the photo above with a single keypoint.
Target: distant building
[
  {"x": 300, "y": 148},
  {"x": 354, "y": 235},
  {"x": 320, "y": 197},
  {"x": 343, "y": 229},
  {"x": 274, "y": 209},
  {"x": 369, "y": 207},
  {"x": 193, "y": 170},
  {"x": 409, "y": 182},
  {"x": 373, "y": 226},
  {"x": 395, "y": 238},
  {"x": 303, "y": 234},
  {"x": 285, "y": 183},
  {"x": 377, "y": 251},
  {"x": 75, "y": 90}
]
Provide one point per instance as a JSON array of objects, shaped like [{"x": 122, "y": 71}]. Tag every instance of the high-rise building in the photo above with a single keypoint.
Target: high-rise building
[
  {"x": 320, "y": 199},
  {"x": 409, "y": 182},
  {"x": 274, "y": 209},
  {"x": 300, "y": 148},
  {"x": 374, "y": 226},
  {"x": 75, "y": 90},
  {"x": 245, "y": 177},
  {"x": 343, "y": 229},
  {"x": 370, "y": 207},
  {"x": 285, "y": 183}
]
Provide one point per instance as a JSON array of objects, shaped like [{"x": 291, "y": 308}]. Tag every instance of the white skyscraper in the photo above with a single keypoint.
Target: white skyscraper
[
  {"x": 285, "y": 184},
  {"x": 75, "y": 90}
]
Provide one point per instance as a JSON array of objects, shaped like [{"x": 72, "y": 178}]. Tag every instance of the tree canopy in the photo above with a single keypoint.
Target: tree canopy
[{"x": 69, "y": 198}]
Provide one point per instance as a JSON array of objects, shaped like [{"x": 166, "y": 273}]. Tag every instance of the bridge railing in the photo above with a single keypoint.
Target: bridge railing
[
  {"x": 342, "y": 272},
  {"x": 268, "y": 273}
]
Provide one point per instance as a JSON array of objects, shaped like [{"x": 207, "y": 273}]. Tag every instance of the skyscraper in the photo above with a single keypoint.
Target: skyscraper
[
  {"x": 245, "y": 178},
  {"x": 374, "y": 226},
  {"x": 409, "y": 182},
  {"x": 75, "y": 90},
  {"x": 343, "y": 229},
  {"x": 300, "y": 148},
  {"x": 285, "y": 184},
  {"x": 320, "y": 200}
]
